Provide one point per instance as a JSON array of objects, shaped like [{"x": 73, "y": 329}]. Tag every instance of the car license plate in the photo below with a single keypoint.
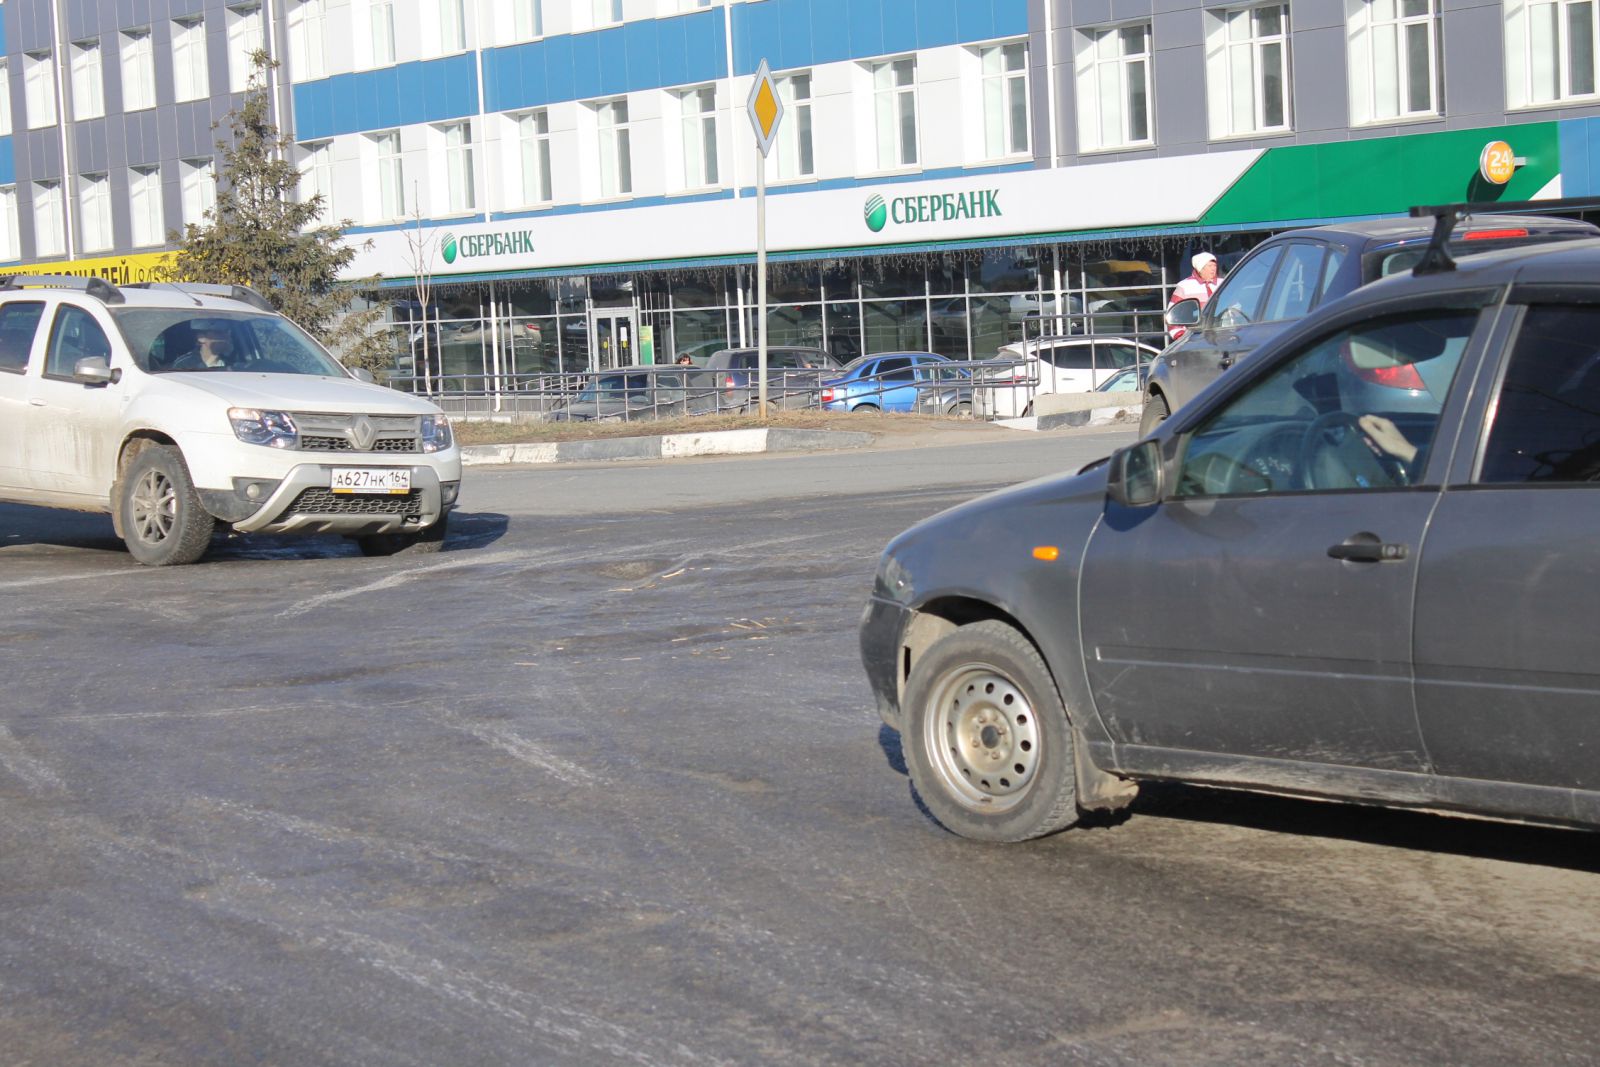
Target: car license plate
[{"x": 391, "y": 481}]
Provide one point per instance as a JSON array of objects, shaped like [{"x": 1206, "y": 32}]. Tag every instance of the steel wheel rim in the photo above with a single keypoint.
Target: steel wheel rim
[
  {"x": 155, "y": 507},
  {"x": 983, "y": 738}
]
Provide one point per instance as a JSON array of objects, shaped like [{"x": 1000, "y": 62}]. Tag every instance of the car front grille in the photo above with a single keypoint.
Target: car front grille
[
  {"x": 327, "y": 502},
  {"x": 318, "y": 443},
  {"x": 322, "y": 432}
]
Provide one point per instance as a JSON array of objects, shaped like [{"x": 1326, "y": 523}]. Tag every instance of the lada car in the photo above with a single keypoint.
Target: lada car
[
  {"x": 1313, "y": 579},
  {"x": 177, "y": 408},
  {"x": 900, "y": 381},
  {"x": 1287, "y": 276}
]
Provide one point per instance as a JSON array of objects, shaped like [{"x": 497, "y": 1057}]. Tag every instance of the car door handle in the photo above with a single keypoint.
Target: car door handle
[
  {"x": 1368, "y": 548},
  {"x": 1226, "y": 361}
]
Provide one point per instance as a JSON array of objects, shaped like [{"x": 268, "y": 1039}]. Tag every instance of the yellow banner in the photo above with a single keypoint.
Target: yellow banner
[{"x": 118, "y": 270}]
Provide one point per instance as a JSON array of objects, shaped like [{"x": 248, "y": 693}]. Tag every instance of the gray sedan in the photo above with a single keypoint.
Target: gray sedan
[{"x": 1361, "y": 566}]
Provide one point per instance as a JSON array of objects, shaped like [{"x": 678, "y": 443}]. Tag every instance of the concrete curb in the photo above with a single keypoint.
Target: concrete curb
[
  {"x": 1063, "y": 420},
  {"x": 666, "y": 446}
]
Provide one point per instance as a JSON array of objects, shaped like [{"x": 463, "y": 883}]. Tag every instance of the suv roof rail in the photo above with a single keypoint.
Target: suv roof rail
[
  {"x": 1445, "y": 216},
  {"x": 242, "y": 293},
  {"x": 94, "y": 286}
]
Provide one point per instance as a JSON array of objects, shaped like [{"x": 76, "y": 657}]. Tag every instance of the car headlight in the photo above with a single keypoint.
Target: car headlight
[
  {"x": 436, "y": 435},
  {"x": 276, "y": 429}
]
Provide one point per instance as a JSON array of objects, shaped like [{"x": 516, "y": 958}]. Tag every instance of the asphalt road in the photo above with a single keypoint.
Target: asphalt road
[{"x": 602, "y": 783}]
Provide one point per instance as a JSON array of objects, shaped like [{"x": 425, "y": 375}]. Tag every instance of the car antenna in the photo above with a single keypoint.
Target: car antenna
[{"x": 1445, "y": 216}]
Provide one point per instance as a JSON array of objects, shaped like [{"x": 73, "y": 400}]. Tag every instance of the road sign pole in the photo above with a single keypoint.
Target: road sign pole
[
  {"x": 761, "y": 278},
  {"x": 766, "y": 112}
]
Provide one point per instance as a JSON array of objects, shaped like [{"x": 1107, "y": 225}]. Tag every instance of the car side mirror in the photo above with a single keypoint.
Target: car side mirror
[
  {"x": 1134, "y": 476},
  {"x": 362, "y": 374},
  {"x": 95, "y": 370},
  {"x": 1183, "y": 313}
]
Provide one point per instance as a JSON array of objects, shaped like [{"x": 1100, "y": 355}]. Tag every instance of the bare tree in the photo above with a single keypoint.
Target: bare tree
[{"x": 421, "y": 247}]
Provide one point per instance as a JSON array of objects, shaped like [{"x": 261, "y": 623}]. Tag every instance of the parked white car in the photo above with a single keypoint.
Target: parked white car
[
  {"x": 178, "y": 407},
  {"x": 1073, "y": 364}
]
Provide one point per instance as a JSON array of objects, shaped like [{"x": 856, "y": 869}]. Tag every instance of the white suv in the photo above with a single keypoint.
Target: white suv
[{"x": 175, "y": 407}]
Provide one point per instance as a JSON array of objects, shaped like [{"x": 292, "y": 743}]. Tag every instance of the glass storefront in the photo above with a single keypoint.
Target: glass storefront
[{"x": 963, "y": 304}]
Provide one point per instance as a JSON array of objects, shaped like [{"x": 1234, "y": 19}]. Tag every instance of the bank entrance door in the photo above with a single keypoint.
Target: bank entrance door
[{"x": 613, "y": 338}]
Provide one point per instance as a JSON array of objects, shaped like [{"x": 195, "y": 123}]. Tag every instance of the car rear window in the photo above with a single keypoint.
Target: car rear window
[
  {"x": 1547, "y": 421},
  {"x": 1403, "y": 259}
]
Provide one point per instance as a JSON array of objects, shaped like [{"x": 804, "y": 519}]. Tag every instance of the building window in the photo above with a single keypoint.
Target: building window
[
  {"x": 1247, "y": 70},
  {"x": 10, "y": 240},
  {"x": 607, "y": 12},
  {"x": 533, "y": 134},
  {"x": 1550, "y": 51},
  {"x": 5, "y": 105},
  {"x": 190, "y": 78},
  {"x": 796, "y": 158},
  {"x": 245, "y": 39},
  {"x": 391, "y": 175},
  {"x": 1113, "y": 78},
  {"x": 317, "y": 177},
  {"x": 527, "y": 19},
  {"x": 616, "y": 158},
  {"x": 1005, "y": 99},
  {"x": 1394, "y": 60},
  {"x": 144, "y": 202},
  {"x": 699, "y": 129},
  {"x": 894, "y": 92},
  {"x": 199, "y": 187},
  {"x": 138, "y": 70},
  {"x": 39, "y": 90},
  {"x": 306, "y": 59},
  {"x": 94, "y": 207},
  {"x": 380, "y": 30},
  {"x": 48, "y": 236},
  {"x": 88, "y": 87},
  {"x": 459, "y": 175},
  {"x": 452, "y": 27}
]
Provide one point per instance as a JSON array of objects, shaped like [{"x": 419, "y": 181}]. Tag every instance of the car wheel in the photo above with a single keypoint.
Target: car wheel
[
  {"x": 163, "y": 521},
  {"x": 962, "y": 410},
  {"x": 988, "y": 744},
  {"x": 869, "y": 408},
  {"x": 422, "y": 542},
  {"x": 1156, "y": 412}
]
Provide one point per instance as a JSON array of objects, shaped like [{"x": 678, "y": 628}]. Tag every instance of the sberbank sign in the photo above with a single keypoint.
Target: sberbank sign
[
  {"x": 509, "y": 243},
  {"x": 931, "y": 207}
]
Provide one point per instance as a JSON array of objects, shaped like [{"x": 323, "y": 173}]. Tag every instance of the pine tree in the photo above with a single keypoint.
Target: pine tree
[{"x": 262, "y": 235}]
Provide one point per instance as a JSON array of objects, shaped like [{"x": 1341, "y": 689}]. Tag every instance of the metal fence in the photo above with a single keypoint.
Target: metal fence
[{"x": 1003, "y": 387}]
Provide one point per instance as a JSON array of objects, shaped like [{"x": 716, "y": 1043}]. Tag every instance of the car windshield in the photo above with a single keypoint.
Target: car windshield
[{"x": 164, "y": 340}]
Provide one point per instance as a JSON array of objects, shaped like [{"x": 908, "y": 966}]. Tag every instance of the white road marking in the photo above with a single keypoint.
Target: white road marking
[{"x": 32, "y": 771}]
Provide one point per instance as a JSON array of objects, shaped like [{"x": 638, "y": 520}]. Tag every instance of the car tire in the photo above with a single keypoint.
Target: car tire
[
  {"x": 962, "y": 410},
  {"x": 423, "y": 542},
  {"x": 988, "y": 744},
  {"x": 163, "y": 522},
  {"x": 871, "y": 409},
  {"x": 1155, "y": 413}
]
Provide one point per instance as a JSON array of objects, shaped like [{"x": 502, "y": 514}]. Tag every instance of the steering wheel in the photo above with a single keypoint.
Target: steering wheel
[{"x": 1316, "y": 439}]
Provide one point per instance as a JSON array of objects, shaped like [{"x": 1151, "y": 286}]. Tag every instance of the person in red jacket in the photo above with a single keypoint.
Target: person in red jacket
[{"x": 1197, "y": 286}]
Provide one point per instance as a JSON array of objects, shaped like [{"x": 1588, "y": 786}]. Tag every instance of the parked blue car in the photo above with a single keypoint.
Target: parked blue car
[{"x": 901, "y": 381}]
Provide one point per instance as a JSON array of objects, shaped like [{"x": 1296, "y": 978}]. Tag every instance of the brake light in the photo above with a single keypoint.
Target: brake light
[
  {"x": 727, "y": 383},
  {"x": 827, "y": 396},
  {"x": 1492, "y": 235},
  {"x": 1395, "y": 376}
]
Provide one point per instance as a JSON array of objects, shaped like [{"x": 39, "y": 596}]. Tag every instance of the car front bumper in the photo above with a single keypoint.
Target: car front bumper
[
  {"x": 303, "y": 502},
  {"x": 883, "y": 622}
]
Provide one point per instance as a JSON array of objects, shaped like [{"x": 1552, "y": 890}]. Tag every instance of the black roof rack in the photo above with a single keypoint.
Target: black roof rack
[
  {"x": 241, "y": 293},
  {"x": 1445, "y": 216},
  {"x": 94, "y": 286}
]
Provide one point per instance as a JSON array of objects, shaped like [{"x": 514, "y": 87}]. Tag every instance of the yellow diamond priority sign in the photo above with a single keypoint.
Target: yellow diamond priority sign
[{"x": 766, "y": 110}]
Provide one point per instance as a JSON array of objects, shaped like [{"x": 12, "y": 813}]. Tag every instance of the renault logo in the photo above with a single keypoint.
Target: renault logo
[{"x": 362, "y": 433}]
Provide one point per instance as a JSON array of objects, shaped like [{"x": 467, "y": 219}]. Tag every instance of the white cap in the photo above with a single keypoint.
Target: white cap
[{"x": 1201, "y": 259}]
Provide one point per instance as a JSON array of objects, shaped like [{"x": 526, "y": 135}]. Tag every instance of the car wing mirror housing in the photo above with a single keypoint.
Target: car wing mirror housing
[
  {"x": 1135, "y": 476},
  {"x": 1183, "y": 313},
  {"x": 362, "y": 374},
  {"x": 94, "y": 370}
]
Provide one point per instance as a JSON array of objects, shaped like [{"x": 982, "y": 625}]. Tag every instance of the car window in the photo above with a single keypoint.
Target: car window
[
  {"x": 1115, "y": 355},
  {"x": 897, "y": 369},
  {"x": 165, "y": 339},
  {"x": 1295, "y": 285},
  {"x": 1239, "y": 299},
  {"x": 74, "y": 336},
  {"x": 1357, "y": 409},
  {"x": 19, "y": 321},
  {"x": 1547, "y": 419},
  {"x": 1330, "y": 271}
]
